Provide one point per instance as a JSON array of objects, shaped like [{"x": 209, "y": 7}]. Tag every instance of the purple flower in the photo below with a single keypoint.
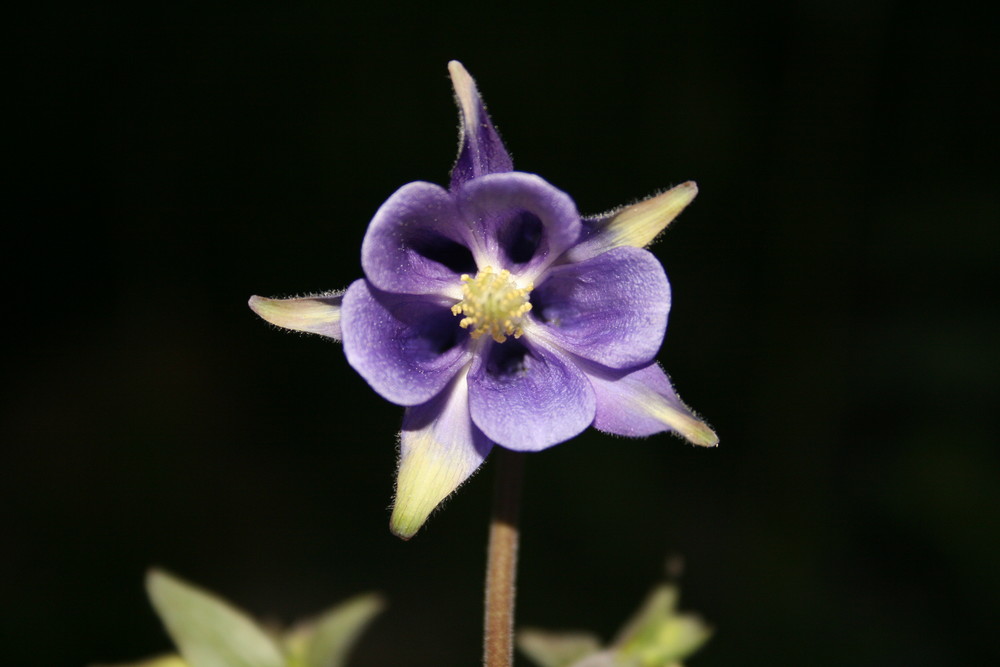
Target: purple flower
[{"x": 498, "y": 316}]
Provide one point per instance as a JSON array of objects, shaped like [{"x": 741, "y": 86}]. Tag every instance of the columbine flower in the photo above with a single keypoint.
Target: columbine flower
[{"x": 498, "y": 316}]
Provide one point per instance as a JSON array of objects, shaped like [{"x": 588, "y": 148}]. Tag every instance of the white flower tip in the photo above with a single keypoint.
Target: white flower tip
[
  {"x": 269, "y": 310},
  {"x": 408, "y": 515},
  {"x": 458, "y": 73},
  {"x": 700, "y": 434},
  {"x": 255, "y": 303},
  {"x": 403, "y": 528},
  {"x": 639, "y": 224},
  {"x": 154, "y": 576},
  {"x": 317, "y": 314},
  {"x": 425, "y": 479},
  {"x": 691, "y": 186},
  {"x": 465, "y": 91},
  {"x": 679, "y": 419},
  {"x": 429, "y": 471},
  {"x": 689, "y": 427}
]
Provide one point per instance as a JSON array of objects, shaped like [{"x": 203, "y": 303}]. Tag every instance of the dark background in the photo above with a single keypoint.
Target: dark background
[{"x": 831, "y": 320}]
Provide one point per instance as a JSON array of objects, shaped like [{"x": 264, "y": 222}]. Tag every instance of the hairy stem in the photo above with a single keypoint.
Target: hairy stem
[{"x": 501, "y": 560}]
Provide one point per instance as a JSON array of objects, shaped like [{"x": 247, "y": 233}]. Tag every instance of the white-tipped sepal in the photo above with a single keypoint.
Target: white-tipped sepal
[
  {"x": 439, "y": 449},
  {"x": 639, "y": 224},
  {"x": 636, "y": 225},
  {"x": 480, "y": 149},
  {"x": 318, "y": 314},
  {"x": 643, "y": 402}
]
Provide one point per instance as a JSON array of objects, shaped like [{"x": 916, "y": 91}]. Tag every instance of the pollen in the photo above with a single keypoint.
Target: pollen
[{"x": 493, "y": 303}]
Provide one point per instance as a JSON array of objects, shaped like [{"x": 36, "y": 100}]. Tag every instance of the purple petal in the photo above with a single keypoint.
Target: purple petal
[
  {"x": 416, "y": 243},
  {"x": 642, "y": 402},
  {"x": 611, "y": 309},
  {"x": 521, "y": 222},
  {"x": 440, "y": 448},
  {"x": 318, "y": 314},
  {"x": 406, "y": 347},
  {"x": 528, "y": 397},
  {"x": 480, "y": 150}
]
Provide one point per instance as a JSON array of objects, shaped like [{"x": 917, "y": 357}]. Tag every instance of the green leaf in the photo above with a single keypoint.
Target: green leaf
[
  {"x": 326, "y": 641},
  {"x": 602, "y": 659},
  {"x": 159, "y": 661},
  {"x": 660, "y": 604},
  {"x": 658, "y": 636},
  {"x": 556, "y": 649},
  {"x": 209, "y": 632}
]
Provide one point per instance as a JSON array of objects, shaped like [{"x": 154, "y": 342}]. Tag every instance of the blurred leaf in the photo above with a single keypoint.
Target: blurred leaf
[
  {"x": 661, "y": 603},
  {"x": 159, "y": 661},
  {"x": 556, "y": 649},
  {"x": 602, "y": 659},
  {"x": 326, "y": 641},
  {"x": 209, "y": 632},
  {"x": 657, "y": 636}
]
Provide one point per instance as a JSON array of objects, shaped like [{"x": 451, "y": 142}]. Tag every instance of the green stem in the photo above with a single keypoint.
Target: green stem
[{"x": 501, "y": 560}]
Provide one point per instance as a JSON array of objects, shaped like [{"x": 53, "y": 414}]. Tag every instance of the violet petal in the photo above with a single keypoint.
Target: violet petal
[
  {"x": 504, "y": 208},
  {"x": 527, "y": 397},
  {"x": 407, "y": 347},
  {"x": 416, "y": 243},
  {"x": 611, "y": 308}
]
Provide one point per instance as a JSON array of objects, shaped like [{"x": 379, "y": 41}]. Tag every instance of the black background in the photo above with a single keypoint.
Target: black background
[{"x": 831, "y": 320}]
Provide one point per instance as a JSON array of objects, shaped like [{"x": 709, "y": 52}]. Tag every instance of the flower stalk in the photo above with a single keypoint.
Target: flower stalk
[{"x": 501, "y": 560}]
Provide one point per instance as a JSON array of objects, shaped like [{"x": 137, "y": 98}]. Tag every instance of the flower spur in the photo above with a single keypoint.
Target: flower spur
[{"x": 498, "y": 316}]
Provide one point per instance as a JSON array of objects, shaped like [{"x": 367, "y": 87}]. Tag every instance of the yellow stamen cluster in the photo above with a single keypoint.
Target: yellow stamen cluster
[{"x": 493, "y": 303}]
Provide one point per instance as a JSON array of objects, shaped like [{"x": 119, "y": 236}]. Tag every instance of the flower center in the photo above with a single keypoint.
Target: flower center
[{"x": 493, "y": 303}]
